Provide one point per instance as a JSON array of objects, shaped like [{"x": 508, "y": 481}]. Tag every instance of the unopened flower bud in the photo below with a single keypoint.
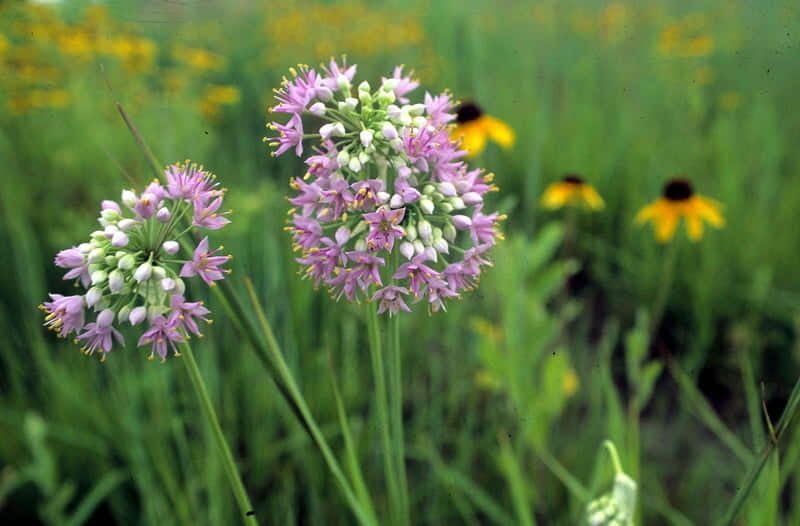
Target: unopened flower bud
[
  {"x": 426, "y": 205},
  {"x": 448, "y": 189},
  {"x": 163, "y": 215},
  {"x": 323, "y": 93},
  {"x": 419, "y": 247},
  {"x": 171, "y": 247},
  {"x": 361, "y": 245},
  {"x": 105, "y": 318},
  {"x": 93, "y": 296},
  {"x": 419, "y": 122},
  {"x": 127, "y": 262},
  {"x": 109, "y": 215},
  {"x": 354, "y": 165},
  {"x": 383, "y": 197},
  {"x": 472, "y": 198},
  {"x": 428, "y": 189},
  {"x": 99, "y": 276},
  {"x": 386, "y": 97},
  {"x": 411, "y": 232},
  {"x": 396, "y": 201},
  {"x": 85, "y": 248},
  {"x": 441, "y": 246},
  {"x": 110, "y": 261},
  {"x": 180, "y": 286},
  {"x": 137, "y": 315},
  {"x": 449, "y": 232},
  {"x": 431, "y": 253},
  {"x": 168, "y": 284},
  {"x": 389, "y": 84},
  {"x": 119, "y": 239},
  {"x": 349, "y": 104},
  {"x": 366, "y": 137},
  {"x": 462, "y": 222},
  {"x": 96, "y": 255},
  {"x": 425, "y": 230},
  {"x": 129, "y": 198},
  {"x": 144, "y": 272},
  {"x": 126, "y": 224},
  {"x": 123, "y": 314},
  {"x": 445, "y": 207},
  {"x": 363, "y": 157},
  {"x": 343, "y": 158},
  {"x": 116, "y": 280},
  {"x": 159, "y": 272},
  {"x": 343, "y": 83},
  {"x": 389, "y": 131},
  {"x": 317, "y": 109},
  {"x": 407, "y": 249},
  {"x": 458, "y": 203}
]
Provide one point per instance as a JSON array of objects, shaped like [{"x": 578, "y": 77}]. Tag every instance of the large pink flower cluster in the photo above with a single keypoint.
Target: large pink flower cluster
[
  {"x": 387, "y": 210},
  {"x": 131, "y": 270}
]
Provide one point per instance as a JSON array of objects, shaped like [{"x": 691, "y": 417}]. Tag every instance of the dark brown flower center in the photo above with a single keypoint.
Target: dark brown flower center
[
  {"x": 572, "y": 179},
  {"x": 678, "y": 190},
  {"x": 468, "y": 111}
]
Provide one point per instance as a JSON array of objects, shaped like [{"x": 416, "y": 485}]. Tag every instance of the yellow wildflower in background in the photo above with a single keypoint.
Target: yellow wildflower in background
[
  {"x": 217, "y": 96},
  {"x": 473, "y": 128},
  {"x": 197, "y": 58},
  {"x": 572, "y": 190},
  {"x": 679, "y": 201},
  {"x": 686, "y": 38},
  {"x": 730, "y": 100},
  {"x": 571, "y": 383}
]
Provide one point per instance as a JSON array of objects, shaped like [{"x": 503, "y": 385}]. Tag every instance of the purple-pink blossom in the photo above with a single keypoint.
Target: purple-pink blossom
[
  {"x": 64, "y": 314},
  {"x": 205, "y": 263}
]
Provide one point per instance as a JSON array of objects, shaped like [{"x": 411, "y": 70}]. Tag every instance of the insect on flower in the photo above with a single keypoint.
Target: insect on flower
[
  {"x": 132, "y": 270},
  {"x": 680, "y": 201},
  {"x": 387, "y": 210}
]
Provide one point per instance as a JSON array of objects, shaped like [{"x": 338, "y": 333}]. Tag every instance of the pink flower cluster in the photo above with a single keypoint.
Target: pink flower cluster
[
  {"x": 387, "y": 210},
  {"x": 131, "y": 271}
]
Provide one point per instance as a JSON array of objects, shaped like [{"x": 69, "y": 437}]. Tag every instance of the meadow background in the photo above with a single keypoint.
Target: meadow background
[{"x": 511, "y": 392}]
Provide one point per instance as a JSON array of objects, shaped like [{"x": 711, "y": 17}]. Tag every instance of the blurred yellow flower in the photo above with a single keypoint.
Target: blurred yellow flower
[
  {"x": 76, "y": 44},
  {"x": 679, "y": 201},
  {"x": 571, "y": 383},
  {"x": 686, "y": 38},
  {"x": 486, "y": 379},
  {"x": 571, "y": 190},
  {"x": 197, "y": 58},
  {"x": 216, "y": 96},
  {"x": 613, "y": 21},
  {"x": 699, "y": 46},
  {"x": 38, "y": 99},
  {"x": 730, "y": 100},
  {"x": 4, "y": 45},
  {"x": 703, "y": 75},
  {"x": 486, "y": 329},
  {"x": 473, "y": 128}
]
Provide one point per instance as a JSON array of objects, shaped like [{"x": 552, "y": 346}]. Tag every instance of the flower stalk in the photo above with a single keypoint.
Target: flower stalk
[{"x": 228, "y": 462}]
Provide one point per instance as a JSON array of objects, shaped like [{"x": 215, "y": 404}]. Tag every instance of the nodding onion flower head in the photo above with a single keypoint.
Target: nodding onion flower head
[
  {"x": 615, "y": 508},
  {"x": 387, "y": 210},
  {"x": 132, "y": 269}
]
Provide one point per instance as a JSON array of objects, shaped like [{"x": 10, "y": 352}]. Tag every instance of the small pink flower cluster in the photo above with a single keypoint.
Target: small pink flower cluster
[
  {"x": 131, "y": 270},
  {"x": 387, "y": 209}
]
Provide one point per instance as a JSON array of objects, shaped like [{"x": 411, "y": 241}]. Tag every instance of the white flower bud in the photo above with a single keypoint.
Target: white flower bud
[
  {"x": 419, "y": 122},
  {"x": 425, "y": 230},
  {"x": 343, "y": 158},
  {"x": 389, "y": 84},
  {"x": 441, "y": 246},
  {"x": 445, "y": 207},
  {"x": 171, "y": 247},
  {"x": 363, "y": 157},
  {"x": 449, "y": 232},
  {"x": 163, "y": 215},
  {"x": 426, "y": 205},
  {"x": 407, "y": 249},
  {"x": 361, "y": 245},
  {"x": 411, "y": 232},
  {"x": 126, "y": 224},
  {"x": 457, "y": 203},
  {"x": 93, "y": 296},
  {"x": 447, "y": 188},
  {"x": 96, "y": 255},
  {"x": 168, "y": 284},
  {"x": 109, "y": 215},
  {"x": 389, "y": 131},
  {"x": 123, "y": 314},
  {"x": 159, "y": 272},
  {"x": 419, "y": 247},
  {"x": 180, "y": 286},
  {"x": 462, "y": 222},
  {"x": 366, "y": 137},
  {"x": 432, "y": 254},
  {"x": 365, "y": 98},
  {"x": 317, "y": 109},
  {"x": 354, "y": 164},
  {"x": 396, "y": 201},
  {"x": 99, "y": 276},
  {"x": 343, "y": 83},
  {"x": 404, "y": 118},
  {"x": 383, "y": 197},
  {"x": 324, "y": 94},
  {"x": 127, "y": 262},
  {"x": 116, "y": 280},
  {"x": 85, "y": 248},
  {"x": 110, "y": 261},
  {"x": 472, "y": 198},
  {"x": 428, "y": 189},
  {"x": 144, "y": 272},
  {"x": 437, "y": 233},
  {"x": 364, "y": 86},
  {"x": 349, "y": 104},
  {"x": 386, "y": 97},
  {"x": 129, "y": 198},
  {"x": 119, "y": 239},
  {"x": 137, "y": 315},
  {"x": 338, "y": 129}
]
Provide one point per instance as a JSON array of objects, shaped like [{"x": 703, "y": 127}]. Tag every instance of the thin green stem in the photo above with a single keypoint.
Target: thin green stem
[
  {"x": 382, "y": 409},
  {"x": 612, "y": 452},
  {"x": 231, "y": 471},
  {"x": 751, "y": 477},
  {"x": 156, "y": 166},
  {"x": 396, "y": 391},
  {"x": 667, "y": 277}
]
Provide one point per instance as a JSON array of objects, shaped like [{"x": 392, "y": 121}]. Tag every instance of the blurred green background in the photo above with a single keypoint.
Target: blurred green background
[{"x": 510, "y": 393}]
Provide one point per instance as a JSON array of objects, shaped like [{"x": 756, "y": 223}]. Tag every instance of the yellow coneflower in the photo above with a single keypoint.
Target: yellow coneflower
[
  {"x": 571, "y": 190},
  {"x": 473, "y": 128},
  {"x": 679, "y": 200}
]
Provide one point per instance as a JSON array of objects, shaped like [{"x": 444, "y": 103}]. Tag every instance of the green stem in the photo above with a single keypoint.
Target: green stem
[
  {"x": 396, "y": 390},
  {"x": 667, "y": 277},
  {"x": 210, "y": 415},
  {"x": 750, "y": 479},
  {"x": 612, "y": 452},
  {"x": 382, "y": 408},
  {"x": 157, "y": 167}
]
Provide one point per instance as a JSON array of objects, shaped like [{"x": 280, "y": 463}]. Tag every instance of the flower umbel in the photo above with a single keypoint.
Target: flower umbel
[
  {"x": 680, "y": 201},
  {"x": 385, "y": 184},
  {"x": 572, "y": 190},
  {"x": 131, "y": 270}
]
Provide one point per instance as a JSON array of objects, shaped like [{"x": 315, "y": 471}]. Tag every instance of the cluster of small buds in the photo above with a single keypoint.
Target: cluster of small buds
[
  {"x": 387, "y": 210},
  {"x": 131, "y": 270},
  {"x": 615, "y": 508}
]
